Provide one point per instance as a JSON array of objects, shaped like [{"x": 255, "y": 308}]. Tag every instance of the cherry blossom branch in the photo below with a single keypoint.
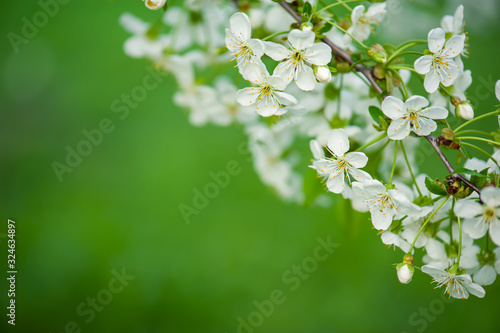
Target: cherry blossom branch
[
  {"x": 435, "y": 144},
  {"x": 367, "y": 72}
]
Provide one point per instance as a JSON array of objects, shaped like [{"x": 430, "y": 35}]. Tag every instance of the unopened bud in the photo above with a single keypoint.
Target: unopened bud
[
  {"x": 155, "y": 4},
  {"x": 323, "y": 74},
  {"x": 405, "y": 272},
  {"x": 464, "y": 110},
  {"x": 306, "y": 26},
  {"x": 378, "y": 54}
]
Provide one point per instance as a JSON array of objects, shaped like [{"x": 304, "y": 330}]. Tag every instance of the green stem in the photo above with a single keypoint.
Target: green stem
[
  {"x": 274, "y": 35},
  {"x": 358, "y": 62},
  {"x": 416, "y": 42},
  {"x": 403, "y": 84},
  {"x": 377, "y": 139},
  {"x": 336, "y": 4},
  {"x": 451, "y": 221},
  {"x": 481, "y": 150},
  {"x": 345, "y": 31},
  {"x": 394, "y": 162},
  {"x": 496, "y": 112},
  {"x": 479, "y": 139},
  {"x": 473, "y": 132},
  {"x": 409, "y": 169},
  {"x": 446, "y": 91},
  {"x": 459, "y": 240},
  {"x": 402, "y": 67},
  {"x": 405, "y": 53},
  {"x": 398, "y": 51},
  {"x": 425, "y": 224}
]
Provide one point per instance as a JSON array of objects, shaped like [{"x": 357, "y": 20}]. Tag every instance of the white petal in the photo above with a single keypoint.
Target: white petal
[
  {"x": 423, "y": 64},
  {"x": 267, "y": 107},
  {"x": 257, "y": 47},
  {"x": 475, "y": 227},
  {"x": 285, "y": 70},
  {"x": 276, "y": 51},
  {"x": 431, "y": 81},
  {"x": 497, "y": 90},
  {"x": 434, "y": 113},
  {"x": 435, "y": 249},
  {"x": 304, "y": 78},
  {"x": 491, "y": 196},
  {"x": 357, "y": 159},
  {"x": 398, "y": 129},
  {"x": 485, "y": 276},
  {"x": 277, "y": 82},
  {"x": 424, "y": 126},
  {"x": 338, "y": 142},
  {"x": 454, "y": 46},
  {"x": 301, "y": 40},
  {"x": 285, "y": 98},
  {"x": 393, "y": 107},
  {"x": 319, "y": 54},
  {"x": 476, "y": 290},
  {"x": 336, "y": 182},
  {"x": 357, "y": 13},
  {"x": 467, "y": 208},
  {"x": 381, "y": 219},
  {"x": 416, "y": 103},
  {"x": 436, "y": 39},
  {"x": 240, "y": 26},
  {"x": 495, "y": 232},
  {"x": 247, "y": 96},
  {"x": 316, "y": 149}
]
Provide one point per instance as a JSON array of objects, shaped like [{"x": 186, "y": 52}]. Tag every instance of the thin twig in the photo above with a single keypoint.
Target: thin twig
[{"x": 367, "y": 72}]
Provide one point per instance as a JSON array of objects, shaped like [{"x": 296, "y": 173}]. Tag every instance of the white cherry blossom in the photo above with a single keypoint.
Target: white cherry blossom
[
  {"x": 362, "y": 23},
  {"x": 155, "y": 4},
  {"x": 454, "y": 24},
  {"x": 342, "y": 164},
  {"x": 385, "y": 205},
  {"x": 457, "y": 286},
  {"x": 246, "y": 50},
  {"x": 414, "y": 115},
  {"x": 440, "y": 66},
  {"x": 303, "y": 53},
  {"x": 269, "y": 98},
  {"x": 478, "y": 219}
]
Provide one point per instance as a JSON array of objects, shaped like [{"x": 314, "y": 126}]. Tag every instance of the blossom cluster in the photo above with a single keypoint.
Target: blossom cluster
[{"x": 310, "y": 77}]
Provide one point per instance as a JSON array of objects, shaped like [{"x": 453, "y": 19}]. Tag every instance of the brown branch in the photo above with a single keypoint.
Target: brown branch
[
  {"x": 435, "y": 144},
  {"x": 368, "y": 73}
]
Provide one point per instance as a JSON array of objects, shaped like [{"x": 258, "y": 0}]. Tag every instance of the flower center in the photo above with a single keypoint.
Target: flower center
[
  {"x": 439, "y": 61},
  {"x": 297, "y": 57},
  {"x": 489, "y": 214}
]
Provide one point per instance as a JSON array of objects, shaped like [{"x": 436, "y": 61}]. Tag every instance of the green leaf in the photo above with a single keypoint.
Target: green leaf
[
  {"x": 375, "y": 113},
  {"x": 435, "y": 186},
  {"x": 480, "y": 181},
  {"x": 306, "y": 11}
]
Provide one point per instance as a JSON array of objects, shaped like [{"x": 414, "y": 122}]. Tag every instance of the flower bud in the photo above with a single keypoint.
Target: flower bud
[
  {"x": 377, "y": 53},
  {"x": 306, "y": 26},
  {"x": 405, "y": 273},
  {"x": 155, "y": 4},
  {"x": 465, "y": 111},
  {"x": 323, "y": 74}
]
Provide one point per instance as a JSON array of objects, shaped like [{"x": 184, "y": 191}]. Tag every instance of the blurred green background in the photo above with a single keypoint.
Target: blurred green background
[{"x": 119, "y": 208}]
